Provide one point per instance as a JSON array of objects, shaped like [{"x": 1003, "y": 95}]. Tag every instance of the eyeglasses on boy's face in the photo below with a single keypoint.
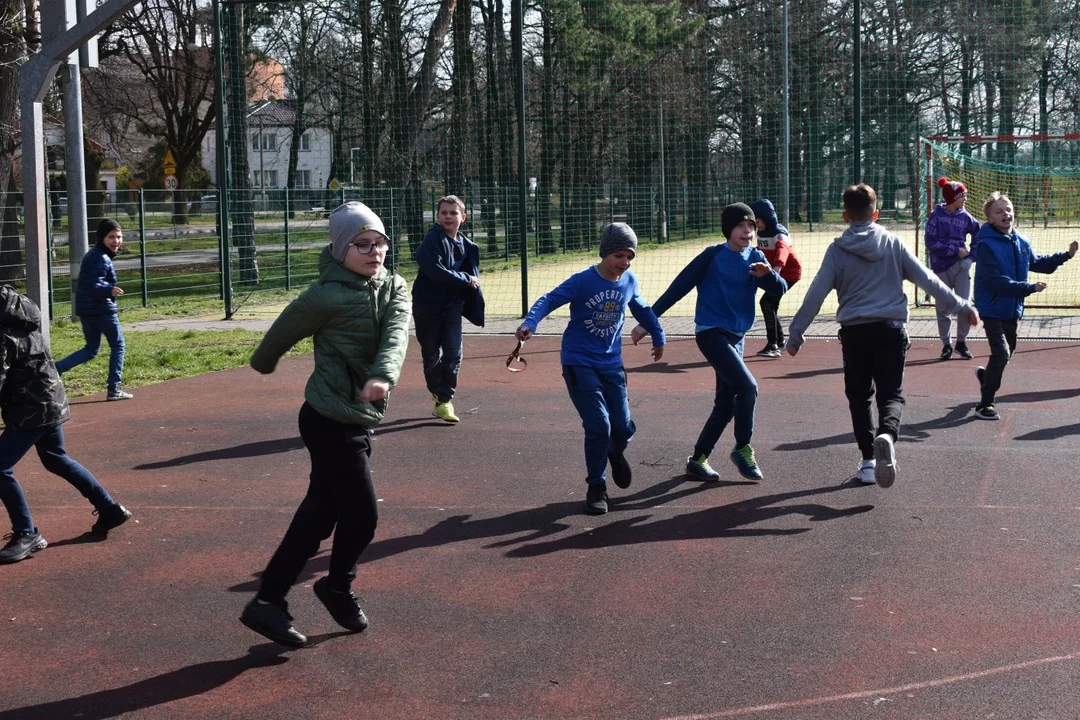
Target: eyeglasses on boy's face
[{"x": 366, "y": 248}]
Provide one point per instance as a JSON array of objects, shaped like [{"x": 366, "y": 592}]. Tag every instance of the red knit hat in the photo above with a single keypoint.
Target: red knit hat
[{"x": 951, "y": 189}]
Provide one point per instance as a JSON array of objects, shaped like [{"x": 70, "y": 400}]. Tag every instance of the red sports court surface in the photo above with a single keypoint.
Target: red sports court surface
[{"x": 954, "y": 594}]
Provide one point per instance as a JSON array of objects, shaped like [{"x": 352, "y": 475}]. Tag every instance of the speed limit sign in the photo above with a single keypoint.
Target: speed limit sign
[{"x": 171, "y": 183}]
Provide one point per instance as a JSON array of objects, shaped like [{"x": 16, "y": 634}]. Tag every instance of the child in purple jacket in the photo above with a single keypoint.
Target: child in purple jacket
[{"x": 947, "y": 230}]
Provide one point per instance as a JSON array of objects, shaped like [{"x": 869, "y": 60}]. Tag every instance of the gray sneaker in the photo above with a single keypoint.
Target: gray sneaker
[
  {"x": 118, "y": 394},
  {"x": 699, "y": 468}
]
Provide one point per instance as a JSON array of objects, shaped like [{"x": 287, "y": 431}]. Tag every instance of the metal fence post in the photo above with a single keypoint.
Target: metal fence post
[
  {"x": 288, "y": 256},
  {"x": 142, "y": 247},
  {"x": 49, "y": 251}
]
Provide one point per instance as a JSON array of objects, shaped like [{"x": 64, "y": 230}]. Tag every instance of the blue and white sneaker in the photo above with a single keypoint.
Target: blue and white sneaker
[
  {"x": 744, "y": 460},
  {"x": 865, "y": 474}
]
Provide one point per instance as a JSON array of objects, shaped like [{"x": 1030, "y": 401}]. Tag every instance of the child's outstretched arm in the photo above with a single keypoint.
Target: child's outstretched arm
[
  {"x": 691, "y": 276},
  {"x": 546, "y": 304},
  {"x": 819, "y": 289},
  {"x": 768, "y": 278},
  {"x": 648, "y": 323},
  {"x": 300, "y": 319},
  {"x": 946, "y": 299},
  {"x": 1047, "y": 264}
]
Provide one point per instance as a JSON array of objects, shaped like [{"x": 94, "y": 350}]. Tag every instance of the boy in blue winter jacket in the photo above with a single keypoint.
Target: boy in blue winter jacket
[
  {"x": 447, "y": 289},
  {"x": 947, "y": 231},
  {"x": 95, "y": 304},
  {"x": 727, "y": 278},
  {"x": 1003, "y": 259},
  {"x": 592, "y": 355}
]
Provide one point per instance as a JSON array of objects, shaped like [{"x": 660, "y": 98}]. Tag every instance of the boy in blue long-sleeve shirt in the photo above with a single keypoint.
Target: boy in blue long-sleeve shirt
[
  {"x": 1003, "y": 258},
  {"x": 592, "y": 355},
  {"x": 727, "y": 278}
]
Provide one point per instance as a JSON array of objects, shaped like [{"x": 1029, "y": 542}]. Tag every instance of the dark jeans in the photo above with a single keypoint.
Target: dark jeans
[
  {"x": 770, "y": 308},
  {"x": 93, "y": 327},
  {"x": 438, "y": 330},
  {"x": 340, "y": 500},
  {"x": 736, "y": 390},
  {"x": 874, "y": 356},
  {"x": 1001, "y": 334},
  {"x": 14, "y": 444},
  {"x": 601, "y": 401}
]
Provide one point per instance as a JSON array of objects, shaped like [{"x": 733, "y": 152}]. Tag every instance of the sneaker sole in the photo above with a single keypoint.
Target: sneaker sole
[
  {"x": 595, "y": 511},
  {"x": 445, "y": 419},
  {"x": 991, "y": 418},
  {"x": 884, "y": 472},
  {"x": 36, "y": 547},
  {"x": 286, "y": 641},
  {"x": 699, "y": 474}
]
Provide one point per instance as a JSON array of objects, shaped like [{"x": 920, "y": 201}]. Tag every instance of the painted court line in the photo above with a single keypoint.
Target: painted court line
[{"x": 812, "y": 702}]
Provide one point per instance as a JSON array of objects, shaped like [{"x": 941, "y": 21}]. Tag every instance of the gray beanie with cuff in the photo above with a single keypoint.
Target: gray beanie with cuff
[
  {"x": 617, "y": 236},
  {"x": 348, "y": 221}
]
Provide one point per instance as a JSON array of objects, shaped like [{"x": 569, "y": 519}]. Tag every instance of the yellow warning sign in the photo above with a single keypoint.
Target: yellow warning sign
[{"x": 168, "y": 165}]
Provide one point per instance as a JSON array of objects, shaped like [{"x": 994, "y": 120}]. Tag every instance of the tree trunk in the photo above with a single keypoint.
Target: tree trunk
[
  {"x": 240, "y": 209},
  {"x": 461, "y": 82},
  {"x": 12, "y": 51}
]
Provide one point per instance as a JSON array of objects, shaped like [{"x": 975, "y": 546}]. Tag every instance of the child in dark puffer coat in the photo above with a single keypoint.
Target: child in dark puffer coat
[{"x": 34, "y": 408}]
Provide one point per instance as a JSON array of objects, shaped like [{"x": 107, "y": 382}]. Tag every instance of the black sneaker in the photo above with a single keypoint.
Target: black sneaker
[
  {"x": 770, "y": 351},
  {"x": 596, "y": 499},
  {"x": 20, "y": 546},
  {"x": 109, "y": 518},
  {"x": 946, "y": 352},
  {"x": 620, "y": 470},
  {"x": 962, "y": 350},
  {"x": 986, "y": 412},
  {"x": 272, "y": 622},
  {"x": 344, "y": 607}
]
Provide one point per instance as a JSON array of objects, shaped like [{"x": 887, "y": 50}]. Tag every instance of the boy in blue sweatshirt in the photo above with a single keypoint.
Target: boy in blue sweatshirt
[
  {"x": 867, "y": 266},
  {"x": 592, "y": 355},
  {"x": 1003, "y": 259},
  {"x": 727, "y": 278}
]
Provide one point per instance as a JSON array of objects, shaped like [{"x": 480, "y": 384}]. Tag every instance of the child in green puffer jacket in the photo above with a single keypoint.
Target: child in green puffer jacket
[{"x": 358, "y": 313}]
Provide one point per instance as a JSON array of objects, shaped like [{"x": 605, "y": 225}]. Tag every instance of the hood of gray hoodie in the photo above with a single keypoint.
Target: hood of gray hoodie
[{"x": 868, "y": 240}]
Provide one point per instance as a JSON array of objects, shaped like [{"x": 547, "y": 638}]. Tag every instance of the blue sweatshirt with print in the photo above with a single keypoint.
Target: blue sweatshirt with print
[
  {"x": 726, "y": 289},
  {"x": 593, "y": 336}
]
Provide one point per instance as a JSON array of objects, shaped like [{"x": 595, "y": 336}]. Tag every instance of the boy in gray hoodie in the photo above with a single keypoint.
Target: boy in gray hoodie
[{"x": 867, "y": 266}]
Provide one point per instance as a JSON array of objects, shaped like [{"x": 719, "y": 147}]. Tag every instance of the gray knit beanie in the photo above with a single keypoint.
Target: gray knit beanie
[
  {"x": 617, "y": 236},
  {"x": 348, "y": 221}
]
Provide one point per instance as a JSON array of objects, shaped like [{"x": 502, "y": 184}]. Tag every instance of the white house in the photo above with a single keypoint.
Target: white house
[{"x": 269, "y": 136}]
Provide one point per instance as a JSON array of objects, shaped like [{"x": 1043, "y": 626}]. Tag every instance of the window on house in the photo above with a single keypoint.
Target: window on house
[
  {"x": 256, "y": 176},
  {"x": 303, "y": 178},
  {"x": 255, "y": 141},
  {"x": 305, "y": 141},
  {"x": 269, "y": 141},
  {"x": 271, "y": 178}
]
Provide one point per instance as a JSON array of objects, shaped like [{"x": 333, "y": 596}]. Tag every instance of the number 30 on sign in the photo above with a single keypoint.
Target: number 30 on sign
[{"x": 171, "y": 183}]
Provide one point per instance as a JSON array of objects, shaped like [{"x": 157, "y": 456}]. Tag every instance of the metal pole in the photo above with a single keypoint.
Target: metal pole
[
  {"x": 288, "y": 256},
  {"x": 142, "y": 247},
  {"x": 517, "y": 21},
  {"x": 785, "y": 41},
  {"x": 75, "y": 169},
  {"x": 663, "y": 181},
  {"x": 222, "y": 164},
  {"x": 856, "y": 129}
]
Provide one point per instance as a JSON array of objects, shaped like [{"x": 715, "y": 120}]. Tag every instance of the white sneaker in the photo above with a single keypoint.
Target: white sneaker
[
  {"x": 884, "y": 460},
  {"x": 866, "y": 472}
]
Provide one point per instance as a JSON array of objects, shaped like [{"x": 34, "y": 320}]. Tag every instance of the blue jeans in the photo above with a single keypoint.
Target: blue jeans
[
  {"x": 93, "y": 327},
  {"x": 438, "y": 330},
  {"x": 736, "y": 390},
  {"x": 600, "y": 398},
  {"x": 14, "y": 444}
]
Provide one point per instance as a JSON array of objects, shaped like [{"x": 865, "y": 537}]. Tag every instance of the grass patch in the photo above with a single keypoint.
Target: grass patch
[{"x": 153, "y": 357}]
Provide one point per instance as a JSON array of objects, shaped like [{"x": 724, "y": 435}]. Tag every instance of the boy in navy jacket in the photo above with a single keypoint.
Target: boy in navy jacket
[
  {"x": 447, "y": 288},
  {"x": 1002, "y": 261}
]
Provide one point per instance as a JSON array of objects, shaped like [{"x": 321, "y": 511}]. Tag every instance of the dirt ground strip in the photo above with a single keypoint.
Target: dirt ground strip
[{"x": 954, "y": 594}]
